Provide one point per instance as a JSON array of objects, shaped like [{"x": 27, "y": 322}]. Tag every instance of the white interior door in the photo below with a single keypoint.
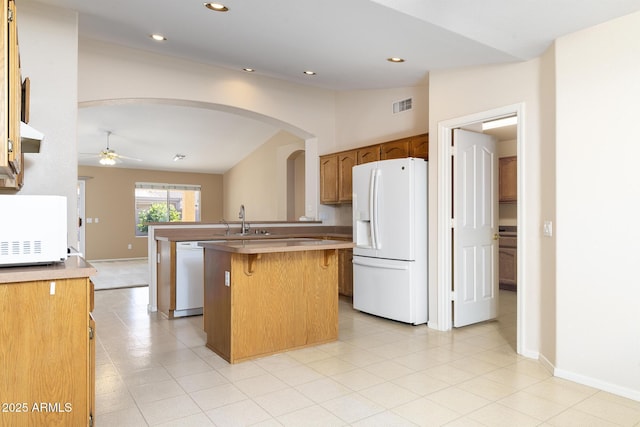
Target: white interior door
[{"x": 475, "y": 242}]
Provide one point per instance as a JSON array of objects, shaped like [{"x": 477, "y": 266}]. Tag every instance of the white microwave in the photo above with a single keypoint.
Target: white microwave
[{"x": 33, "y": 229}]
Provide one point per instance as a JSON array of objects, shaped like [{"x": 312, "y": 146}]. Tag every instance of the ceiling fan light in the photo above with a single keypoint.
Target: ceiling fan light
[{"x": 107, "y": 161}]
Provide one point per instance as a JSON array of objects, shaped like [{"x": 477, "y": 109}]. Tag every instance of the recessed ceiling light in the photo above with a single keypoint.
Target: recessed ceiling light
[
  {"x": 395, "y": 59},
  {"x": 158, "y": 37},
  {"x": 309, "y": 73},
  {"x": 248, "y": 70},
  {"x": 216, "y": 7}
]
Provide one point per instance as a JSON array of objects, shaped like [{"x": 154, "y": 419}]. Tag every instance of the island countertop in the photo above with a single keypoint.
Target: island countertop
[{"x": 276, "y": 245}]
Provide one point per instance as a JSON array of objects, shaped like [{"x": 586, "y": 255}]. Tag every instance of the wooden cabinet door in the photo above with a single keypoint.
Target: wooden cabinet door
[
  {"x": 44, "y": 355},
  {"x": 92, "y": 367},
  {"x": 346, "y": 161},
  {"x": 508, "y": 167},
  {"x": 395, "y": 149},
  {"x": 329, "y": 179},
  {"x": 419, "y": 146},
  {"x": 11, "y": 157},
  {"x": 345, "y": 272},
  {"x": 368, "y": 154}
]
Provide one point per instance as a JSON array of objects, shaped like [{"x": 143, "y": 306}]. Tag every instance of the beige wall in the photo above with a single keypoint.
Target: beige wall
[
  {"x": 365, "y": 117},
  {"x": 48, "y": 40},
  {"x": 598, "y": 201},
  {"x": 259, "y": 181},
  {"x": 548, "y": 167},
  {"x": 462, "y": 92},
  {"x": 110, "y": 197}
]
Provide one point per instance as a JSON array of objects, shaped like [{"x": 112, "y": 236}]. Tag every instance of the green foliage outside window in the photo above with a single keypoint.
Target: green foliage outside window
[{"x": 157, "y": 212}]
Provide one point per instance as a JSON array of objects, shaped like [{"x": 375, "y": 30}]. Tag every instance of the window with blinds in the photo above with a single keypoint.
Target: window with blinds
[{"x": 156, "y": 202}]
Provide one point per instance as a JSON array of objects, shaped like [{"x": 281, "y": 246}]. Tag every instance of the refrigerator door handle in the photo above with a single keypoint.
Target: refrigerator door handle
[
  {"x": 374, "y": 209},
  {"x": 372, "y": 202},
  {"x": 380, "y": 264}
]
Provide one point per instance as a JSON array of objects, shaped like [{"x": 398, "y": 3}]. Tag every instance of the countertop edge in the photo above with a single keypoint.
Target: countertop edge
[
  {"x": 72, "y": 268},
  {"x": 260, "y": 246}
]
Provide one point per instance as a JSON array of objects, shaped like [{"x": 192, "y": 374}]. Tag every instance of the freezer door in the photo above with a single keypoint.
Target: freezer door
[
  {"x": 362, "y": 182},
  {"x": 383, "y": 288}
]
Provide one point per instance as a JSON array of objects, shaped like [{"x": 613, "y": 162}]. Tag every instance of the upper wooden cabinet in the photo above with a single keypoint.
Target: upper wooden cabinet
[
  {"x": 419, "y": 146},
  {"x": 11, "y": 98},
  {"x": 508, "y": 171},
  {"x": 394, "y": 149},
  {"x": 329, "y": 179},
  {"x": 368, "y": 154},
  {"x": 346, "y": 161}
]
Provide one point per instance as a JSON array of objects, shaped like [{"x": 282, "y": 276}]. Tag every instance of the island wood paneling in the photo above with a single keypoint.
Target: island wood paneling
[{"x": 275, "y": 301}]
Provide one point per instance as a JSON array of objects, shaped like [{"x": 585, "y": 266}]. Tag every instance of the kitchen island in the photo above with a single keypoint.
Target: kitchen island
[{"x": 266, "y": 296}]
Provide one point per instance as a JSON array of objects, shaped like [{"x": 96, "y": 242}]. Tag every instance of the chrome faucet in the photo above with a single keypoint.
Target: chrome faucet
[{"x": 243, "y": 228}]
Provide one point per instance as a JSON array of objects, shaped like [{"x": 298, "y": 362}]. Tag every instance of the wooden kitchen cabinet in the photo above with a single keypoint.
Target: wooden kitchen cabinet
[
  {"x": 368, "y": 154},
  {"x": 397, "y": 149},
  {"x": 329, "y": 179},
  {"x": 47, "y": 355},
  {"x": 419, "y": 146},
  {"x": 508, "y": 263},
  {"x": 11, "y": 158},
  {"x": 346, "y": 161},
  {"x": 508, "y": 179},
  {"x": 345, "y": 272}
]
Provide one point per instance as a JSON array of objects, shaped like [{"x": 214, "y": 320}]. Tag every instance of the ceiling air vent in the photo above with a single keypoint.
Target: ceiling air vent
[{"x": 400, "y": 106}]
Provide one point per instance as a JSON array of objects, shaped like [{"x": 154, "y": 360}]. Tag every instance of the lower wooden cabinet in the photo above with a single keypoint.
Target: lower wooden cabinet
[
  {"x": 47, "y": 353},
  {"x": 508, "y": 263},
  {"x": 345, "y": 272}
]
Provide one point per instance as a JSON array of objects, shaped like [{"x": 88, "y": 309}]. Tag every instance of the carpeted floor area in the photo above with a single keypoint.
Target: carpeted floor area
[{"x": 115, "y": 274}]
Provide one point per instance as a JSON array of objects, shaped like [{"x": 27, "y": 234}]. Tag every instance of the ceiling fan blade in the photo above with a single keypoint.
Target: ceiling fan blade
[{"x": 128, "y": 158}]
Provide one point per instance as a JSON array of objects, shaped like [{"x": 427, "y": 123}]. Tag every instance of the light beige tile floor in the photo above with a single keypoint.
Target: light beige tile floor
[
  {"x": 121, "y": 273},
  {"x": 157, "y": 372}
]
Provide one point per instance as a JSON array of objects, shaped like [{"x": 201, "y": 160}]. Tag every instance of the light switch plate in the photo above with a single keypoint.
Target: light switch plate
[
  {"x": 547, "y": 229},
  {"x": 227, "y": 278}
]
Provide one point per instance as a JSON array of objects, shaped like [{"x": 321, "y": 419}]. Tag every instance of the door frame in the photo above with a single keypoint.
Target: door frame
[
  {"x": 81, "y": 216},
  {"x": 444, "y": 201}
]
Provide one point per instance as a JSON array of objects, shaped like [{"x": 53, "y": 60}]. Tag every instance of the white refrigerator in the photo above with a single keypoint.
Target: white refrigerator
[{"x": 390, "y": 236}]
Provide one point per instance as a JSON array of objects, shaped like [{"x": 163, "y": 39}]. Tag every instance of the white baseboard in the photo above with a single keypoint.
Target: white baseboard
[{"x": 599, "y": 384}]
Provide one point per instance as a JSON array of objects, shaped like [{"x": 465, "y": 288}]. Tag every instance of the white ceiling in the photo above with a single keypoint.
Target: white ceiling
[{"x": 345, "y": 42}]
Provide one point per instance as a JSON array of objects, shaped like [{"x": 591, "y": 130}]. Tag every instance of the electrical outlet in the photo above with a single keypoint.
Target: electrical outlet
[{"x": 129, "y": 246}]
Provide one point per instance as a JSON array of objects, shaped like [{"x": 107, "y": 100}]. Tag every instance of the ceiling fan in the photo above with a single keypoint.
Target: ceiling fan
[{"x": 109, "y": 157}]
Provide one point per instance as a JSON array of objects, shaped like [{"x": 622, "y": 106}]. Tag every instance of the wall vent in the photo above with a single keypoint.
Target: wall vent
[{"x": 404, "y": 105}]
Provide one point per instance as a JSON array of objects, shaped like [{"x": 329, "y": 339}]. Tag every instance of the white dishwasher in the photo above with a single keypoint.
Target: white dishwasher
[{"x": 189, "y": 279}]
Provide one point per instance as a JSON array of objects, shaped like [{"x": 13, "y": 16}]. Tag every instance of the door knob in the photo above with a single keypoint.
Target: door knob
[{"x": 496, "y": 236}]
